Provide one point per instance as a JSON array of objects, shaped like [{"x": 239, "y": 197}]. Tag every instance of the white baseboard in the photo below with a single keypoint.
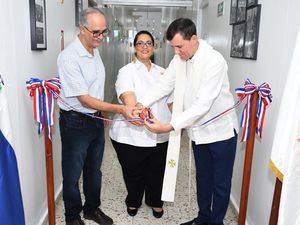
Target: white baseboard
[
  {"x": 236, "y": 207},
  {"x": 44, "y": 219}
]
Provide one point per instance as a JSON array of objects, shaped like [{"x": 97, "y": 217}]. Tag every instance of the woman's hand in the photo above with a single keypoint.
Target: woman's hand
[
  {"x": 136, "y": 114},
  {"x": 157, "y": 127}
]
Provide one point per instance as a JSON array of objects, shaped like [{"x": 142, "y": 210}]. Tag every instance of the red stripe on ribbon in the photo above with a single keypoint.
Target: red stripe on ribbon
[
  {"x": 43, "y": 92},
  {"x": 264, "y": 99}
]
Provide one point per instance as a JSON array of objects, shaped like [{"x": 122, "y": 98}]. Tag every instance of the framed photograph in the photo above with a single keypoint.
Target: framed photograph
[
  {"x": 251, "y": 2},
  {"x": 237, "y": 40},
  {"x": 220, "y": 9},
  {"x": 38, "y": 24},
  {"x": 233, "y": 7},
  {"x": 251, "y": 32},
  {"x": 92, "y": 3},
  {"x": 78, "y": 10},
  {"x": 241, "y": 10}
]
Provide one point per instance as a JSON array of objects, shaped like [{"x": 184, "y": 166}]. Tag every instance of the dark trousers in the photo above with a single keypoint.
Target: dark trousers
[
  {"x": 214, "y": 165},
  {"x": 82, "y": 141},
  {"x": 143, "y": 171}
]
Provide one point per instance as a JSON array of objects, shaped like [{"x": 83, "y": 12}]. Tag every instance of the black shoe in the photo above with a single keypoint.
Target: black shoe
[
  {"x": 99, "y": 217},
  {"x": 75, "y": 222},
  {"x": 132, "y": 212},
  {"x": 157, "y": 214},
  {"x": 193, "y": 222}
]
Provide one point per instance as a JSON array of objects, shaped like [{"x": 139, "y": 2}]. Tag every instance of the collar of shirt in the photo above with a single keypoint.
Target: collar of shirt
[
  {"x": 81, "y": 49},
  {"x": 191, "y": 60},
  {"x": 139, "y": 65},
  {"x": 197, "y": 53}
]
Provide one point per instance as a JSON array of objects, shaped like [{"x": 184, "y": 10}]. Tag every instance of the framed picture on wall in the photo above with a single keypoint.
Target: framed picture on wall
[
  {"x": 38, "y": 24},
  {"x": 78, "y": 10},
  {"x": 237, "y": 40},
  {"x": 241, "y": 10},
  {"x": 251, "y": 32},
  {"x": 233, "y": 7},
  {"x": 251, "y": 2},
  {"x": 92, "y": 3}
]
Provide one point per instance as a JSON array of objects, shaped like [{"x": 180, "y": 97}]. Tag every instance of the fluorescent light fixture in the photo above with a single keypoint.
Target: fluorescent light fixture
[{"x": 166, "y": 3}]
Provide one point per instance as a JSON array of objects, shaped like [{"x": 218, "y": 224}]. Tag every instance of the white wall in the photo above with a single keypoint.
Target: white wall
[
  {"x": 280, "y": 21},
  {"x": 17, "y": 64}
]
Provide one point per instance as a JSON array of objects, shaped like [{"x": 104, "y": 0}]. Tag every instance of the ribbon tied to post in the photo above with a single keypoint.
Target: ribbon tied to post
[
  {"x": 43, "y": 92},
  {"x": 264, "y": 99}
]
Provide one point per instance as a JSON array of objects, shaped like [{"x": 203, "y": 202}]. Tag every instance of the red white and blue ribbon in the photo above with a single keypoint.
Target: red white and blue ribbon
[
  {"x": 38, "y": 88},
  {"x": 145, "y": 114},
  {"x": 223, "y": 113},
  {"x": 43, "y": 92},
  {"x": 264, "y": 99}
]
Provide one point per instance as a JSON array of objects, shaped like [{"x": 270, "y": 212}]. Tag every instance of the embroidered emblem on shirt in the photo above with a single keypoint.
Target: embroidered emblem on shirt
[{"x": 172, "y": 163}]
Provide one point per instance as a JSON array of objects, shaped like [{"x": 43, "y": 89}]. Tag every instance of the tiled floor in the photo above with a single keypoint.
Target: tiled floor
[{"x": 114, "y": 192}]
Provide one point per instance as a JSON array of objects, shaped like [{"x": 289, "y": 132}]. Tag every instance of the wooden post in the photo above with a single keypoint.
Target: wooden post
[
  {"x": 49, "y": 175},
  {"x": 248, "y": 162},
  {"x": 276, "y": 203}
]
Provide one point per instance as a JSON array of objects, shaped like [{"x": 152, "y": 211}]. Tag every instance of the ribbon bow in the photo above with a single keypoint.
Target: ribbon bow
[
  {"x": 264, "y": 99},
  {"x": 43, "y": 92}
]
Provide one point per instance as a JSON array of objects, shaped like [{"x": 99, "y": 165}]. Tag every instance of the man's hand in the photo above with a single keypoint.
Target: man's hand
[
  {"x": 139, "y": 105},
  {"x": 136, "y": 114},
  {"x": 132, "y": 112},
  {"x": 158, "y": 127}
]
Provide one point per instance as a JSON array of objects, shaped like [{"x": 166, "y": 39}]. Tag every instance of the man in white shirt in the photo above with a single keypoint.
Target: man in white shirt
[
  {"x": 82, "y": 77},
  {"x": 206, "y": 94}
]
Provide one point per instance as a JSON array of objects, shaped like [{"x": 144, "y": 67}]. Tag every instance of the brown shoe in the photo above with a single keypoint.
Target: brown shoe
[
  {"x": 99, "y": 217},
  {"x": 75, "y": 222}
]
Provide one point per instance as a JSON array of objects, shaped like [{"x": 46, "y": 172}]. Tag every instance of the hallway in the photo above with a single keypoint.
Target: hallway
[
  {"x": 26, "y": 52},
  {"x": 114, "y": 192}
]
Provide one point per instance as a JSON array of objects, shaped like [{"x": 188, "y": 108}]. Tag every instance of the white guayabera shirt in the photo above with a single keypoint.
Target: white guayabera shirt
[
  {"x": 207, "y": 94},
  {"x": 136, "y": 78}
]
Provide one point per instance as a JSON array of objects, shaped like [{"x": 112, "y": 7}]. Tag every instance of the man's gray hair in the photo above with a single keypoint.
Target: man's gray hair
[{"x": 83, "y": 15}]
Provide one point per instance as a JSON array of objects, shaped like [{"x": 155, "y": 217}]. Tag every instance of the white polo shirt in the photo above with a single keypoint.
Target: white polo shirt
[
  {"x": 80, "y": 73},
  {"x": 135, "y": 77},
  {"x": 207, "y": 94}
]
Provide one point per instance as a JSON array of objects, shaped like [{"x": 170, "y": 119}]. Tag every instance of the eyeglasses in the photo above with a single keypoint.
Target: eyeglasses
[
  {"x": 97, "y": 33},
  {"x": 141, "y": 44}
]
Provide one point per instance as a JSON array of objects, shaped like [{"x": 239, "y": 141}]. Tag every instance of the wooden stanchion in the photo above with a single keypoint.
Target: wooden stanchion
[
  {"x": 276, "y": 203},
  {"x": 38, "y": 88},
  {"x": 49, "y": 175},
  {"x": 248, "y": 162}
]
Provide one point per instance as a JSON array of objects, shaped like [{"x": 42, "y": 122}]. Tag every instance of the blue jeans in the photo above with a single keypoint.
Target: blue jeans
[
  {"x": 82, "y": 141},
  {"x": 214, "y": 166}
]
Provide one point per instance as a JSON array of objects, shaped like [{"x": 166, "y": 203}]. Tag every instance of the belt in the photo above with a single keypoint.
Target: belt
[{"x": 98, "y": 113}]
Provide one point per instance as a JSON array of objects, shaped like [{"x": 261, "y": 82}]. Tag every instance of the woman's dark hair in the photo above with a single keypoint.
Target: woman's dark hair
[
  {"x": 140, "y": 33},
  {"x": 183, "y": 26}
]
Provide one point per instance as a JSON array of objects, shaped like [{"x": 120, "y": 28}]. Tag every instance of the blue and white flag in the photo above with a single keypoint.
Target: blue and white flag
[{"x": 11, "y": 205}]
